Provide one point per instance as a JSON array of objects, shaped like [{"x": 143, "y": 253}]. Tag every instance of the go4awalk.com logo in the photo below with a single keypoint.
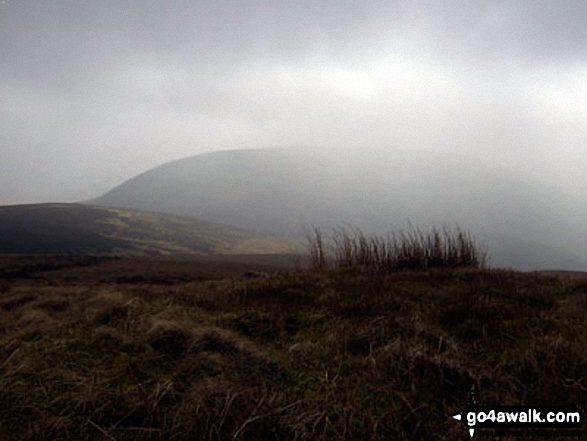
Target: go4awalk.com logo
[
  {"x": 521, "y": 417},
  {"x": 568, "y": 419}
]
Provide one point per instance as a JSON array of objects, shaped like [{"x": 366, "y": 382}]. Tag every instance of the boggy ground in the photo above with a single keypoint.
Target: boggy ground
[{"x": 113, "y": 349}]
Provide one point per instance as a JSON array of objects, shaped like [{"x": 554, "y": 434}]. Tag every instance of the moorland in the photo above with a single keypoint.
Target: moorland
[{"x": 185, "y": 348}]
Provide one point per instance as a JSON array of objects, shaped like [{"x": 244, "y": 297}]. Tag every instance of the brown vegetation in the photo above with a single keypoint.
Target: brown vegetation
[
  {"x": 411, "y": 249},
  {"x": 317, "y": 355}
]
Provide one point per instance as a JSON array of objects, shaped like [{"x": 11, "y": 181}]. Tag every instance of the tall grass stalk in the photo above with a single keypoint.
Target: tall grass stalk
[{"x": 403, "y": 249}]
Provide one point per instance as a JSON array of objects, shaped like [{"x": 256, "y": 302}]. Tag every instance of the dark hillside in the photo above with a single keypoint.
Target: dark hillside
[{"x": 81, "y": 229}]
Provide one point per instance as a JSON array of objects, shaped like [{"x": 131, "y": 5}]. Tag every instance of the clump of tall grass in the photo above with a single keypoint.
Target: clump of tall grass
[{"x": 404, "y": 249}]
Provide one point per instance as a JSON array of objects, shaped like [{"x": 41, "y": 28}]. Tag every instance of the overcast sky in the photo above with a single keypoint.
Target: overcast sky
[{"x": 95, "y": 92}]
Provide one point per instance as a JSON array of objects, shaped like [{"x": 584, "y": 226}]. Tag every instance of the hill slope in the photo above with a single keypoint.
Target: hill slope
[
  {"x": 525, "y": 224},
  {"x": 81, "y": 229}
]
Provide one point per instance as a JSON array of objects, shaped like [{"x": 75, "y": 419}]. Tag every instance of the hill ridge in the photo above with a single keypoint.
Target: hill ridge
[
  {"x": 284, "y": 191},
  {"x": 63, "y": 228}
]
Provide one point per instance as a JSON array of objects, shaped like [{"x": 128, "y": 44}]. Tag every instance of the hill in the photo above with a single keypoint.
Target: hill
[
  {"x": 82, "y": 229},
  {"x": 524, "y": 223}
]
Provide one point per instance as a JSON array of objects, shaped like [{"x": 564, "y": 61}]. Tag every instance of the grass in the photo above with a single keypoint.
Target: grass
[
  {"x": 338, "y": 354},
  {"x": 405, "y": 249}
]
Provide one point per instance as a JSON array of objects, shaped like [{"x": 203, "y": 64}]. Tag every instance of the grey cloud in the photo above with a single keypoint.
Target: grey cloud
[
  {"x": 105, "y": 90},
  {"x": 63, "y": 45},
  {"x": 527, "y": 31}
]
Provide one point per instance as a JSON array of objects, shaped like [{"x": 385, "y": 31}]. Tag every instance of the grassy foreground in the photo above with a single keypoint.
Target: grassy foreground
[{"x": 87, "y": 352}]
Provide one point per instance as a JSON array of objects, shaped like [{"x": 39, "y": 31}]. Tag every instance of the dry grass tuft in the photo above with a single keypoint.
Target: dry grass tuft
[
  {"x": 411, "y": 249},
  {"x": 170, "y": 338},
  {"x": 33, "y": 319},
  {"x": 106, "y": 336},
  {"x": 221, "y": 410},
  {"x": 407, "y": 366},
  {"x": 215, "y": 340}
]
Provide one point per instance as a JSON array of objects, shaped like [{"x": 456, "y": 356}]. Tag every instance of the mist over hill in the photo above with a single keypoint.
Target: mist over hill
[{"x": 524, "y": 223}]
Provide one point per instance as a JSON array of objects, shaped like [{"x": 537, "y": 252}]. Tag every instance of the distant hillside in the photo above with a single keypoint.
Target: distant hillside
[
  {"x": 81, "y": 229},
  {"x": 525, "y": 224}
]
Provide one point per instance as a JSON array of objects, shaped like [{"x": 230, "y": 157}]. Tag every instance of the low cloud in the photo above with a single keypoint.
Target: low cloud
[{"x": 92, "y": 94}]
